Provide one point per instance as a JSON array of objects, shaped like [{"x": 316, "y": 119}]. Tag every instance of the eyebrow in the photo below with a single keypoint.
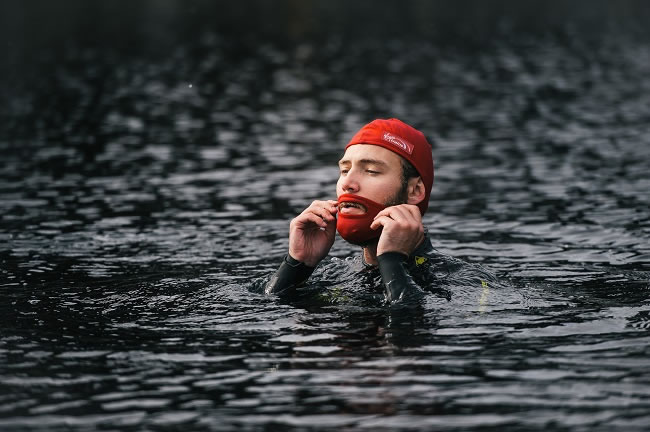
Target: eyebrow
[{"x": 364, "y": 162}]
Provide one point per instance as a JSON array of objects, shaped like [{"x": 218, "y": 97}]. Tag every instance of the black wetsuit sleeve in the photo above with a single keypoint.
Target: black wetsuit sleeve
[
  {"x": 399, "y": 286},
  {"x": 291, "y": 274}
]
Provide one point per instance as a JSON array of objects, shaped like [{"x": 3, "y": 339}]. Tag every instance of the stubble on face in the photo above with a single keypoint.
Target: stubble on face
[{"x": 400, "y": 197}]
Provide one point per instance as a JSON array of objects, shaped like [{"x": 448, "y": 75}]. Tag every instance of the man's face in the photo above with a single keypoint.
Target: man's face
[{"x": 372, "y": 172}]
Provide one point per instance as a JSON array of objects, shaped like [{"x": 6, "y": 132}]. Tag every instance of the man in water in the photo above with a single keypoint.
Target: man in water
[{"x": 386, "y": 175}]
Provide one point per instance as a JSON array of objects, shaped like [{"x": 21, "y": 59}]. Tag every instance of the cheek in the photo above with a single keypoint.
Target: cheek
[{"x": 387, "y": 189}]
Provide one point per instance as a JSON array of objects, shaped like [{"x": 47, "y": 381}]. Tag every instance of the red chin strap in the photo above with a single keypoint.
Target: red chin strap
[{"x": 355, "y": 228}]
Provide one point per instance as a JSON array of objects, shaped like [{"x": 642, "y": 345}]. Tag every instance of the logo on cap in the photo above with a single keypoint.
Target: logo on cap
[{"x": 398, "y": 142}]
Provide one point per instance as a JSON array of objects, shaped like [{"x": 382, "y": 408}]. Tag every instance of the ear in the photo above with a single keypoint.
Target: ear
[{"x": 416, "y": 191}]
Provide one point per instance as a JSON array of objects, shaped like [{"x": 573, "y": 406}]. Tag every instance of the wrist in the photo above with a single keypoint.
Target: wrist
[
  {"x": 392, "y": 257},
  {"x": 389, "y": 252},
  {"x": 291, "y": 274},
  {"x": 302, "y": 259},
  {"x": 398, "y": 247},
  {"x": 293, "y": 262}
]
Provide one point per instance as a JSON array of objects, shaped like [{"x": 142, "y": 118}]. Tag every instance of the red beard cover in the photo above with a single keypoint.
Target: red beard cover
[{"x": 355, "y": 228}]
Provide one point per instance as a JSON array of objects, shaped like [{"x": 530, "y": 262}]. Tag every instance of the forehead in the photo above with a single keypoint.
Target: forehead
[{"x": 359, "y": 152}]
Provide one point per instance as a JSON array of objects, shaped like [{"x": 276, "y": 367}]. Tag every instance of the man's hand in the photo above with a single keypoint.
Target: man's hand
[
  {"x": 312, "y": 232},
  {"x": 403, "y": 230}
]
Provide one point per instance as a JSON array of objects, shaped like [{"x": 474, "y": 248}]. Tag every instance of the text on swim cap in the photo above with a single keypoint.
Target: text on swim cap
[{"x": 398, "y": 142}]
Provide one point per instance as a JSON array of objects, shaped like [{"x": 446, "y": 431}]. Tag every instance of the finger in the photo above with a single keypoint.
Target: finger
[
  {"x": 324, "y": 214},
  {"x": 384, "y": 212},
  {"x": 396, "y": 213},
  {"x": 318, "y": 209},
  {"x": 406, "y": 213},
  {"x": 381, "y": 221},
  {"x": 382, "y": 218},
  {"x": 330, "y": 205},
  {"x": 399, "y": 215},
  {"x": 305, "y": 219},
  {"x": 415, "y": 211}
]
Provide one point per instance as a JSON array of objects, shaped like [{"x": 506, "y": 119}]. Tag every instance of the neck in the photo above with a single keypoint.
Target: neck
[{"x": 370, "y": 254}]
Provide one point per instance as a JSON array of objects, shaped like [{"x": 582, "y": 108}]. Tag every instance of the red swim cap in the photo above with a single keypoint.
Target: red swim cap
[{"x": 404, "y": 140}]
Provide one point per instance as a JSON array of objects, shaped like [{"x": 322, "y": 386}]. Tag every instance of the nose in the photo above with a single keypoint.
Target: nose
[{"x": 349, "y": 183}]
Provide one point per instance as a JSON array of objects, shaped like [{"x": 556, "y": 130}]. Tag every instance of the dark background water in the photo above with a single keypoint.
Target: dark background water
[{"x": 152, "y": 154}]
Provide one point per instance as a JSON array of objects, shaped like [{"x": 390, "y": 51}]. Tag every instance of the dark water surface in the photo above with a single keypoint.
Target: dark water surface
[{"x": 142, "y": 201}]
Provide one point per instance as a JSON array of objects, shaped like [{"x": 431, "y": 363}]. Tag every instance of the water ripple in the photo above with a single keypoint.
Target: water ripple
[{"x": 144, "y": 203}]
